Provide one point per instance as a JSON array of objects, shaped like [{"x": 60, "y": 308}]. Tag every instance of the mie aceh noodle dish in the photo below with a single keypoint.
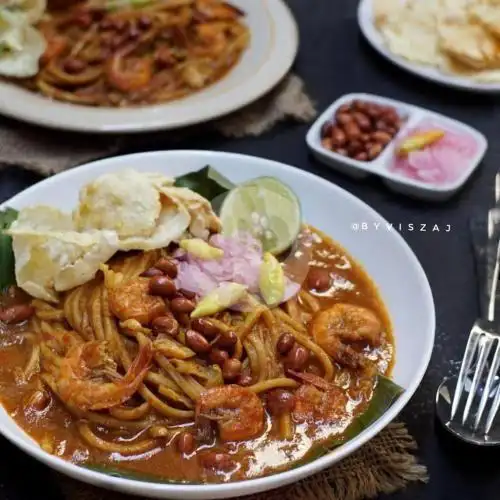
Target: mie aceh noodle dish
[
  {"x": 120, "y": 53},
  {"x": 187, "y": 330}
]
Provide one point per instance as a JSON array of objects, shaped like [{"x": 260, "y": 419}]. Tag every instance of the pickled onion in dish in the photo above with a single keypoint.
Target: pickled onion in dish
[
  {"x": 241, "y": 263},
  {"x": 442, "y": 162}
]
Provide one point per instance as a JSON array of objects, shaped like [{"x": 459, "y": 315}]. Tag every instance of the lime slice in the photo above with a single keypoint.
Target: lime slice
[{"x": 266, "y": 208}]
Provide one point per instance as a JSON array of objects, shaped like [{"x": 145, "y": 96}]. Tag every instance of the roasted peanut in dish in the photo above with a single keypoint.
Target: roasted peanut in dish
[{"x": 361, "y": 130}]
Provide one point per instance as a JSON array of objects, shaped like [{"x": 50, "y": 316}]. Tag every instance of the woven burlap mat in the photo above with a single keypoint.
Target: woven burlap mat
[
  {"x": 383, "y": 465},
  {"x": 48, "y": 151}
]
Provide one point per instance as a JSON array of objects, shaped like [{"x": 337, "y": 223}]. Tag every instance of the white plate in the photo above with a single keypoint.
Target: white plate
[
  {"x": 370, "y": 32},
  {"x": 273, "y": 47},
  {"x": 411, "y": 115},
  {"x": 383, "y": 253}
]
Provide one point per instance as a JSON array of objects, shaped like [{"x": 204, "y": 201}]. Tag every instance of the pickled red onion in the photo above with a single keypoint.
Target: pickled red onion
[
  {"x": 440, "y": 163},
  {"x": 240, "y": 264}
]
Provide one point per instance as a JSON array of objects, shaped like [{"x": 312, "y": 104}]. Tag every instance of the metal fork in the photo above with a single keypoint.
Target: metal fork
[{"x": 482, "y": 339}]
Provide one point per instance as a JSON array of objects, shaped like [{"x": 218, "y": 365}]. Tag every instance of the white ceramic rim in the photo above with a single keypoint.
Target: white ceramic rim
[
  {"x": 241, "y": 488},
  {"x": 367, "y": 27},
  {"x": 22, "y": 105}
]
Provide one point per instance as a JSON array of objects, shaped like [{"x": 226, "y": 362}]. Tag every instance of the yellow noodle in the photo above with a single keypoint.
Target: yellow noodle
[
  {"x": 283, "y": 316},
  {"x": 190, "y": 387},
  {"x": 292, "y": 309},
  {"x": 268, "y": 318},
  {"x": 124, "y": 449},
  {"x": 286, "y": 426},
  {"x": 115, "y": 423},
  {"x": 238, "y": 349},
  {"x": 253, "y": 359},
  {"x": 250, "y": 320},
  {"x": 33, "y": 365},
  {"x": 256, "y": 341},
  {"x": 175, "y": 396},
  {"x": 273, "y": 383},
  {"x": 162, "y": 407},
  {"x": 148, "y": 396},
  {"x": 136, "y": 413},
  {"x": 310, "y": 301},
  {"x": 95, "y": 310}
]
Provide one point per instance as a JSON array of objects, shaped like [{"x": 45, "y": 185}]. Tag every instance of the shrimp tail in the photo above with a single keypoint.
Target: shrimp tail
[{"x": 140, "y": 365}]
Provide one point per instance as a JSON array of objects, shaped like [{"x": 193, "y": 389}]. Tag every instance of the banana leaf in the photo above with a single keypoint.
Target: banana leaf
[
  {"x": 131, "y": 475},
  {"x": 385, "y": 394},
  {"x": 208, "y": 183},
  {"x": 7, "y": 263}
]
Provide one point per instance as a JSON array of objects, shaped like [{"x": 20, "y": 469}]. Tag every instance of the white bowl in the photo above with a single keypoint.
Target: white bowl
[
  {"x": 272, "y": 50},
  {"x": 383, "y": 253},
  {"x": 411, "y": 116}
]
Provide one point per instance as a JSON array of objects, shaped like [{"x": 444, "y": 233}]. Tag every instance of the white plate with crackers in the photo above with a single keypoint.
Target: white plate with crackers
[{"x": 447, "y": 58}]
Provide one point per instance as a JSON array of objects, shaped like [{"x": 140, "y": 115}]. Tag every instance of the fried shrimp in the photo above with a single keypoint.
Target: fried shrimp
[
  {"x": 131, "y": 300},
  {"x": 239, "y": 412},
  {"x": 342, "y": 324},
  {"x": 82, "y": 373}
]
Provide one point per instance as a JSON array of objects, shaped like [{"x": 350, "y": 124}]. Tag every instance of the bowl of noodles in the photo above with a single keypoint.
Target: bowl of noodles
[
  {"x": 200, "y": 327},
  {"x": 136, "y": 65}
]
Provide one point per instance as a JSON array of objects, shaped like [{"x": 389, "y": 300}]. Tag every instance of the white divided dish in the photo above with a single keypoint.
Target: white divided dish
[{"x": 411, "y": 116}]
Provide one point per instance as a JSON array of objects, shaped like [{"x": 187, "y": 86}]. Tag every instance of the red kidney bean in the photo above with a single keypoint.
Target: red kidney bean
[
  {"x": 227, "y": 339},
  {"x": 162, "y": 286},
  {"x": 185, "y": 443},
  {"x": 326, "y": 129},
  {"x": 16, "y": 314},
  {"x": 297, "y": 358},
  {"x": 152, "y": 271},
  {"x": 74, "y": 66},
  {"x": 205, "y": 327},
  {"x": 144, "y": 22},
  {"x": 318, "y": 279},
  {"x": 218, "y": 356},
  {"x": 197, "y": 342},
  {"x": 231, "y": 369},
  {"x": 338, "y": 137},
  {"x": 280, "y": 401},
  {"x": 285, "y": 343},
  {"x": 186, "y": 293},
  {"x": 182, "y": 305},
  {"x": 166, "y": 324},
  {"x": 168, "y": 266}
]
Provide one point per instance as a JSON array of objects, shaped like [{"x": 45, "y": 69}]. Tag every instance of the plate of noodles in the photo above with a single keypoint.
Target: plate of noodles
[
  {"x": 194, "y": 325},
  {"x": 452, "y": 43},
  {"x": 139, "y": 65}
]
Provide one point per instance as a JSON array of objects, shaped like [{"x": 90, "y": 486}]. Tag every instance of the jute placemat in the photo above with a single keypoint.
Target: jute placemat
[
  {"x": 47, "y": 151},
  {"x": 384, "y": 465}
]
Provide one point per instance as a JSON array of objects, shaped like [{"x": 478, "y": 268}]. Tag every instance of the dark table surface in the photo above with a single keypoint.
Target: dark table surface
[{"x": 333, "y": 60}]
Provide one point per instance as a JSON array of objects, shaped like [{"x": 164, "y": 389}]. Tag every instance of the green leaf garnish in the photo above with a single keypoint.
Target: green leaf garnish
[
  {"x": 7, "y": 262},
  {"x": 134, "y": 476},
  {"x": 385, "y": 394},
  {"x": 208, "y": 183}
]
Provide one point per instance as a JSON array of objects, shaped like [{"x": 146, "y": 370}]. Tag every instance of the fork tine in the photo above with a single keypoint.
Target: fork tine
[
  {"x": 464, "y": 369},
  {"x": 493, "y": 411},
  {"x": 488, "y": 386},
  {"x": 484, "y": 349}
]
